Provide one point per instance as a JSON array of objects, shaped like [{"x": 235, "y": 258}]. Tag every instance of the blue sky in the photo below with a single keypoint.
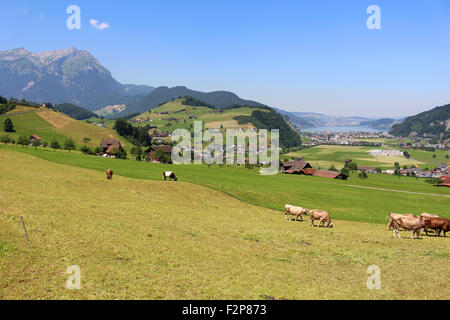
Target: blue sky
[{"x": 311, "y": 56}]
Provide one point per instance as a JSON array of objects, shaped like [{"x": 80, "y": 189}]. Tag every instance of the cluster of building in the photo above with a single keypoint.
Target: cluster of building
[{"x": 346, "y": 138}]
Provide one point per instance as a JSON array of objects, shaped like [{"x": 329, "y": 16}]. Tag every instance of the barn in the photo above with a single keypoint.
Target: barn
[
  {"x": 110, "y": 145},
  {"x": 446, "y": 182},
  {"x": 324, "y": 174},
  {"x": 294, "y": 166}
]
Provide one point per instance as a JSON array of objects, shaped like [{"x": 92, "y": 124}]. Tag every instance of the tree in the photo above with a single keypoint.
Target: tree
[
  {"x": 333, "y": 168},
  {"x": 23, "y": 141},
  {"x": 447, "y": 156},
  {"x": 434, "y": 156},
  {"x": 362, "y": 175},
  {"x": 434, "y": 181},
  {"x": 36, "y": 144},
  {"x": 162, "y": 156},
  {"x": 69, "y": 145},
  {"x": 136, "y": 152},
  {"x": 5, "y": 139},
  {"x": 345, "y": 171},
  {"x": 9, "y": 126},
  {"x": 407, "y": 155},
  {"x": 55, "y": 145},
  {"x": 379, "y": 170}
]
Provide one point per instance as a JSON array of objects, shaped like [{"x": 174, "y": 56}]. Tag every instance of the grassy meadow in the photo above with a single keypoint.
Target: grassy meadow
[
  {"x": 367, "y": 200},
  {"x": 326, "y": 155},
  {"x": 141, "y": 239},
  {"x": 50, "y": 125},
  {"x": 210, "y": 117}
]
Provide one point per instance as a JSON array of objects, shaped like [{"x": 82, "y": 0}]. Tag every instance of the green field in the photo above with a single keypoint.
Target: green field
[
  {"x": 211, "y": 118},
  {"x": 50, "y": 125},
  {"x": 137, "y": 239},
  {"x": 324, "y": 156},
  {"x": 31, "y": 123},
  {"x": 354, "y": 200}
]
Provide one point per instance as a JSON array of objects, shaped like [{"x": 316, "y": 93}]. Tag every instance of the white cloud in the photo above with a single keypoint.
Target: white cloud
[{"x": 97, "y": 25}]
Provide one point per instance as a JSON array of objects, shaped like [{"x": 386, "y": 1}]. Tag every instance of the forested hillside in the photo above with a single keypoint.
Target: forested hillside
[
  {"x": 435, "y": 123},
  {"x": 272, "y": 120}
]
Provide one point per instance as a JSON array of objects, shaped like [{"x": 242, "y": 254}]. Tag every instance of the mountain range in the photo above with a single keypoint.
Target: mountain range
[
  {"x": 77, "y": 77},
  {"x": 62, "y": 76}
]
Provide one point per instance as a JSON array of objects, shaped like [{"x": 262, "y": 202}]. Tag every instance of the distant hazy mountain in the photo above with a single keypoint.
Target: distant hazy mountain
[
  {"x": 385, "y": 123},
  {"x": 435, "y": 122},
  {"x": 325, "y": 120},
  {"x": 63, "y": 76},
  {"x": 219, "y": 99},
  {"x": 296, "y": 120}
]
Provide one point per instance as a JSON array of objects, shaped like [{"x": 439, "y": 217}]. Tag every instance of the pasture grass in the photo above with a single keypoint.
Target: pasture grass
[
  {"x": 136, "y": 239},
  {"x": 51, "y": 125},
  {"x": 354, "y": 200},
  {"x": 324, "y": 156}
]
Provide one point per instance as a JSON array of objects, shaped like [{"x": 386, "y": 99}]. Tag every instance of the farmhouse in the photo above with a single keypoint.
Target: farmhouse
[
  {"x": 109, "y": 146},
  {"x": 35, "y": 137},
  {"x": 151, "y": 153},
  {"x": 294, "y": 166}
]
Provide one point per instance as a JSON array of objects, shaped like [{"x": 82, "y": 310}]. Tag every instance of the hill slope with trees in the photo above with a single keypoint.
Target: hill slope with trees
[{"x": 434, "y": 123}]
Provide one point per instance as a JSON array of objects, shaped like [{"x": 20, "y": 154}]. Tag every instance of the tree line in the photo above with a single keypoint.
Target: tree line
[{"x": 137, "y": 135}]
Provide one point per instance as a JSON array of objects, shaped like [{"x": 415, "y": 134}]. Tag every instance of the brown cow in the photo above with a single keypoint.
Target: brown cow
[
  {"x": 109, "y": 174},
  {"x": 407, "y": 223},
  {"x": 391, "y": 215},
  {"x": 322, "y": 216},
  {"x": 429, "y": 216},
  {"x": 294, "y": 211},
  {"x": 437, "y": 224}
]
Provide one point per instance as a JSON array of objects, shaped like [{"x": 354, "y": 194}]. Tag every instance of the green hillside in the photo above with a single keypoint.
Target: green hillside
[
  {"x": 138, "y": 239},
  {"x": 435, "y": 123},
  {"x": 52, "y": 125},
  {"x": 175, "y": 115}
]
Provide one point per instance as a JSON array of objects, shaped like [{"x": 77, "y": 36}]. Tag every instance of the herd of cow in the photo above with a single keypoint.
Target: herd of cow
[{"x": 397, "y": 221}]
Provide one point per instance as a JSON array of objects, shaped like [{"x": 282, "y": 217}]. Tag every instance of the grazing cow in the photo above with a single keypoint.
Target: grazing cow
[
  {"x": 428, "y": 216},
  {"x": 169, "y": 175},
  {"x": 294, "y": 211},
  {"x": 408, "y": 223},
  {"x": 392, "y": 215},
  {"x": 109, "y": 174},
  {"x": 437, "y": 224},
  {"x": 322, "y": 216}
]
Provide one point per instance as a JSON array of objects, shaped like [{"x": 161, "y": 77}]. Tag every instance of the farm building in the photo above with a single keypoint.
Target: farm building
[
  {"x": 110, "y": 145},
  {"x": 294, "y": 166},
  {"x": 324, "y": 174},
  {"x": 35, "y": 137},
  {"x": 367, "y": 169},
  {"x": 446, "y": 181},
  {"x": 152, "y": 151}
]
